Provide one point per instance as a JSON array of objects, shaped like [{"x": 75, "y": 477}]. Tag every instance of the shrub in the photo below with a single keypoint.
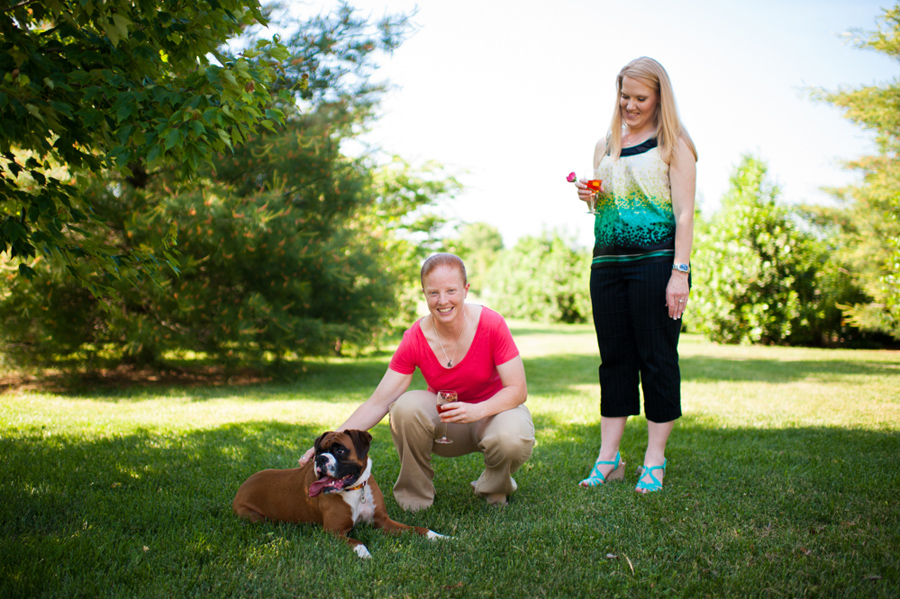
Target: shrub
[
  {"x": 542, "y": 279},
  {"x": 758, "y": 277}
]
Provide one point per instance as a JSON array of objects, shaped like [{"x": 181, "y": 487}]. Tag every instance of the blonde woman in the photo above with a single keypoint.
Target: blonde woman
[{"x": 640, "y": 270}]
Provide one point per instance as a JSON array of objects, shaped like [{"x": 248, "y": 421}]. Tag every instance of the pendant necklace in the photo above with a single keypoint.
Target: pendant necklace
[{"x": 450, "y": 360}]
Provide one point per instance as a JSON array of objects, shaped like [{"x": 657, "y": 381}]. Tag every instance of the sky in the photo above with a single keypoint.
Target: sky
[{"x": 512, "y": 95}]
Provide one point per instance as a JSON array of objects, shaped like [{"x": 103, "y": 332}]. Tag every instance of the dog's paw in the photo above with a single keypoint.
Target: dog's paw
[
  {"x": 433, "y": 535},
  {"x": 362, "y": 552}
]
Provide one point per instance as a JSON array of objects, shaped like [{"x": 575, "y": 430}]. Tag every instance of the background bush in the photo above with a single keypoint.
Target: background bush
[
  {"x": 758, "y": 277},
  {"x": 542, "y": 279}
]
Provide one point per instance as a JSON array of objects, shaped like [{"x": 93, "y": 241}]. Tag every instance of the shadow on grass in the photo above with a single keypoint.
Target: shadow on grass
[
  {"x": 798, "y": 508},
  {"x": 148, "y": 514},
  {"x": 705, "y": 453},
  {"x": 106, "y": 517}
]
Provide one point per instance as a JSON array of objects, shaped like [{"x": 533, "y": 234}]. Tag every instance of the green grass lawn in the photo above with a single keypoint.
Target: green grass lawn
[{"x": 783, "y": 481}]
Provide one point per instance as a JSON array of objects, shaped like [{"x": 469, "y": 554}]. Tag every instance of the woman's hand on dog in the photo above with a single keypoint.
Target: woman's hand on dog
[{"x": 306, "y": 456}]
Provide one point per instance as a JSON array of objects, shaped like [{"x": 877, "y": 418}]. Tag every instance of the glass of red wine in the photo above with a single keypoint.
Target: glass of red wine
[{"x": 444, "y": 397}]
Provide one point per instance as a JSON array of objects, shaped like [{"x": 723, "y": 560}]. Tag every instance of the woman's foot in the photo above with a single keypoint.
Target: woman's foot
[
  {"x": 651, "y": 478},
  {"x": 497, "y": 499},
  {"x": 605, "y": 470}
]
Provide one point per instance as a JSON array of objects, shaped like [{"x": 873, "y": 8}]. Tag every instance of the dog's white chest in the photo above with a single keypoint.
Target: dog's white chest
[{"x": 362, "y": 504}]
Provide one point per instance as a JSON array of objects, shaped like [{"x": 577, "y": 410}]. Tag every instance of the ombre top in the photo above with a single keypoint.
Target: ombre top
[{"x": 635, "y": 221}]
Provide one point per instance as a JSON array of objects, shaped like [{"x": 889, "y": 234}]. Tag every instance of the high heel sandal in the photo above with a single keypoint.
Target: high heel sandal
[
  {"x": 596, "y": 478},
  {"x": 654, "y": 484}
]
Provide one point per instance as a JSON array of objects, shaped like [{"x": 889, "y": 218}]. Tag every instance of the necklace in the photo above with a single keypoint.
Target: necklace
[{"x": 450, "y": 360}]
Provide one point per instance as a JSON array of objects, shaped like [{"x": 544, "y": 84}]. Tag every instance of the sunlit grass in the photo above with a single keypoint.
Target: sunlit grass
[{"x": 782, "y": 482}]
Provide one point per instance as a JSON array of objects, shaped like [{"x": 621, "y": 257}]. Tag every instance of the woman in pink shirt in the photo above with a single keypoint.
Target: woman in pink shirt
[{"x": 468, "y": 349}]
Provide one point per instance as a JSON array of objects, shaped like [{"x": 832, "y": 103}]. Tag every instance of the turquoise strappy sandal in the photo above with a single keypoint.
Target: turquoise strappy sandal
[
  {"x": 654, "y": 484},
  {"x": 596, "y": 478}
]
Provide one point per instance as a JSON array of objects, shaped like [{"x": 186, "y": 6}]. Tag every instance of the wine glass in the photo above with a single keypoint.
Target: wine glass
[
  {"x": 593, "y": 183},
  {"x": 444, "y": 397}
]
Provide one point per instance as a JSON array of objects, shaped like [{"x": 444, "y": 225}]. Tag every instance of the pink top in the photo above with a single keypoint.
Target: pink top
[{"x": 474, "y": 377}]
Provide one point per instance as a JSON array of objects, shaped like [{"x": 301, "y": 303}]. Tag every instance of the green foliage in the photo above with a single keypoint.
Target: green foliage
[
  {"x": 479, "y": 245},
  {"x": 331, "y": 55},
  {"x": 758, "y": 278},
  {"x": 287, "y": 246},
  {"x": 542, "y": 279},
  {"x": 44, "y": 317},
  {"x": 868, "y": 225},
  {"x": 307, "y": 268},
  {"x": 121, "y": 85},
  {"x": 401, "y": 230}
]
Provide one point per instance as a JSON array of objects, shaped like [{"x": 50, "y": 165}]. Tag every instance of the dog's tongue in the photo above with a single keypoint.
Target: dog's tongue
[{"x": 318, "y": 486}]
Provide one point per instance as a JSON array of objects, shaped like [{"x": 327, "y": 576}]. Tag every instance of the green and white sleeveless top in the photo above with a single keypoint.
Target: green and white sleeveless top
[{"x": 635, "y": 221}]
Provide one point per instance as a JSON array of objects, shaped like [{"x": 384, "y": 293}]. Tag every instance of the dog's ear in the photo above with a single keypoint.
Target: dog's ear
[
  {"x": 318, "y": 442},
  {"x": 361, "y": 442}
]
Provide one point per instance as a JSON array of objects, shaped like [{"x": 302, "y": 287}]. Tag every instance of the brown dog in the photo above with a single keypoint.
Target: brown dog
[{"x": 336, "y": 489}]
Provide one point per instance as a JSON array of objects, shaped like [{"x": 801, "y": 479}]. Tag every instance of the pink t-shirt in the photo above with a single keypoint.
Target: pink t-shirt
[{"x": 474, "y": 377}]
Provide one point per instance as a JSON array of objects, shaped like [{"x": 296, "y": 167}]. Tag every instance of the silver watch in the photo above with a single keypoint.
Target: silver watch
[{"x": 685, "y": 268}]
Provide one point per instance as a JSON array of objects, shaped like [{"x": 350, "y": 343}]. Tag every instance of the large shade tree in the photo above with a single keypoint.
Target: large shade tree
[
  {"x": 866, "y": 228},
  {"x": 289, "y": 246},
  {"x": 122, "y": 85}
]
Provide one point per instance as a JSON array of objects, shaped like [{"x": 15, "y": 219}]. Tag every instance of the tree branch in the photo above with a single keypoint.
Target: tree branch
[{"x": 19, "y": 5}]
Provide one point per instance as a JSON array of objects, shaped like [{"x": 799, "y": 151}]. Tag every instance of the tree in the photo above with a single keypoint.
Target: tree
[
  {"x": 288, "y": 247},
  {"x": 123, "y": 85},
  {"x": 868, "y": 226},
  {"x": 758, "y": 278},
  {"x": 479, "y": 245},
  {"x": 543, "y": 279}
]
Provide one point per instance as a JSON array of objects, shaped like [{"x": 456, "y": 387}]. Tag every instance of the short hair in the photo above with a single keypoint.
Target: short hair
[
  {"x": 438, "y": 260},
  {"x": 669, "y": 127}
]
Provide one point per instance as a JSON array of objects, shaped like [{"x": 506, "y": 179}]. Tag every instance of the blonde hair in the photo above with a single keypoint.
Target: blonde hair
[
  {"x": 668, "y": 125},
  {"x": 438, "y": 260}
]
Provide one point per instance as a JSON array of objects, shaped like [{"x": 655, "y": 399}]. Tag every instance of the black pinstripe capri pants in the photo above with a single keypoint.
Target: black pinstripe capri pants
[{"x": 638, "y": 341}]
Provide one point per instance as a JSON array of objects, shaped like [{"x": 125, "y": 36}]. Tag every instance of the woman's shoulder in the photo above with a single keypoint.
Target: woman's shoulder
[
  {"x": 483, "y": 312},
  {"x": 684, "y": 148},
  {"x": 491, "y": 318}
]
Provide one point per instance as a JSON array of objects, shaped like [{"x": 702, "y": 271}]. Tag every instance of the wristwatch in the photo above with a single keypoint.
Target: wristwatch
[{"x": 685, "y": 268}]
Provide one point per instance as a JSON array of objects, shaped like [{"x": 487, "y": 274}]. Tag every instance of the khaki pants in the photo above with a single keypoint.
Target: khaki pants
[{"x": 506, "y": 440}]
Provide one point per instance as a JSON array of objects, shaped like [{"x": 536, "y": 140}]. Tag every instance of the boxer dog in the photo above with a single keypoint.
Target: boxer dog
[{"x": 335, "y": 489}]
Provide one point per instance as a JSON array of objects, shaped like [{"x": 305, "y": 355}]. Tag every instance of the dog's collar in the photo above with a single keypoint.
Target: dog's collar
[
  {"x": 357, "y": 487},
  {"x": 364, "y": 478}
]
